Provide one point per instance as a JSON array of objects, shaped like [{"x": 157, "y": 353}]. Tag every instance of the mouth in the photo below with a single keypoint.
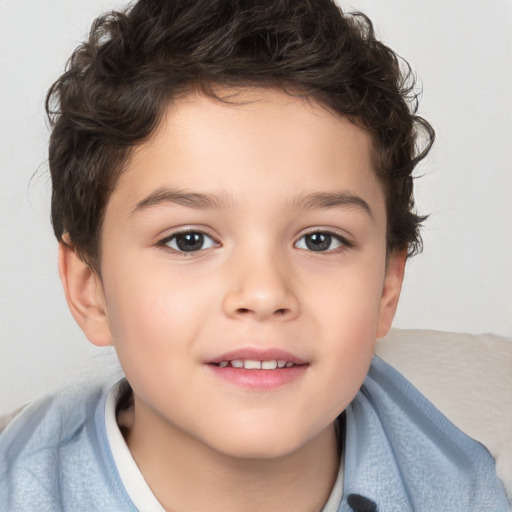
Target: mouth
[
  {"x": 258, "y": 369},
  {"x": 254, "y": 364}
]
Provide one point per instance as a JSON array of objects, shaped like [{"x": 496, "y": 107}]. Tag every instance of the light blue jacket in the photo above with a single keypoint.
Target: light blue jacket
[{"x": 400, "y": 455}]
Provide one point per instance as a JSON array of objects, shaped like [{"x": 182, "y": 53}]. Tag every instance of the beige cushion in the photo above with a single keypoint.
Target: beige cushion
[{"x": 467, "y": 377}]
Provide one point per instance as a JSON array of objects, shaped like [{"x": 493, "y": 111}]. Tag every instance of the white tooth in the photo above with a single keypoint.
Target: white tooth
[
  {"x": 249, "y": 364},
  {"x": 281, "y": 364},
  {"x": 289, "y": 364},
  {"x": 223, "y": 364},
  {"x": 237, "y": 363},
  {"x": 268, "y": 365}
]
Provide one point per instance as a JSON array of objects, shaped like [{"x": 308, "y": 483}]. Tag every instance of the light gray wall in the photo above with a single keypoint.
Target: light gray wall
[{"x": 463, "y": 282}]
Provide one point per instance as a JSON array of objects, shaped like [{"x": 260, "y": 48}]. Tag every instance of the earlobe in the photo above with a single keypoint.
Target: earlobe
[
  {"x": 84, "y": 295},
  {"x": 391, "y": 291}
]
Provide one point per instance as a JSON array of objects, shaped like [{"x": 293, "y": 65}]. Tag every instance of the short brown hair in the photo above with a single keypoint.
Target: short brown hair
[{"x": 117, "y": 84}]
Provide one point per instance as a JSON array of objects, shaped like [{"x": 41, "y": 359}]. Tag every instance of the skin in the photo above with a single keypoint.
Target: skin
[{"x": 254, "y": 284}]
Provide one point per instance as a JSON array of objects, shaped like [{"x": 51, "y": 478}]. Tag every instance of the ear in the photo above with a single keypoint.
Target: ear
[
  {"x": 84, "y": 295},
  {"x": 391, "y": 291}
]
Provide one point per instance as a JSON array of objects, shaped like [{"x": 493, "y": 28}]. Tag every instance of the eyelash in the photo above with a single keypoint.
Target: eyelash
[{"x": 343, "y": 243}]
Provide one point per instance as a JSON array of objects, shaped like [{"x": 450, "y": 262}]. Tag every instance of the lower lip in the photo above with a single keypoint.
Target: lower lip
[{"x": 259, "y": 379}]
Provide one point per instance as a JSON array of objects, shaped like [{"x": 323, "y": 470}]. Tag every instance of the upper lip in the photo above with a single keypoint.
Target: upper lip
[{"x": 258, "y": 354}]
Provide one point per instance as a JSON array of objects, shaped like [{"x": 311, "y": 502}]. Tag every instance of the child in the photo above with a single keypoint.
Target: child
[{"x": 232, "y": 194}]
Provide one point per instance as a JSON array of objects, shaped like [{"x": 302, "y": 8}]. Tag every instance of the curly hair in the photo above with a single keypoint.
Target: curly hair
[{"x": 118, "y": 83}]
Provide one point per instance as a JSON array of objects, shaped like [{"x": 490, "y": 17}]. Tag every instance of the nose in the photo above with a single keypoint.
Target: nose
[{"x": 260, "y": 287}]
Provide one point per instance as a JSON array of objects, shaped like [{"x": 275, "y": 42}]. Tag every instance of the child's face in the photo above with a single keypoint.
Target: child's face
[{"x": 254, "y": 231}]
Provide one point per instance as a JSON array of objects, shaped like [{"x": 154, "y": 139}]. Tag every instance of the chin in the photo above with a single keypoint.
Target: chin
[
  {"x": 261, "y": 442},
  {"x": 260, "y": 451}
]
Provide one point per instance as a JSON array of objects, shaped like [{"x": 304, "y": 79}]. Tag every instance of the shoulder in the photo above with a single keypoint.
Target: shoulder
[
  {"x": 37, "y": 435},
  {"x": 49, "y": 422},
  {"x": 55, "y": 452},
  {"x": 396, "y": 437}
]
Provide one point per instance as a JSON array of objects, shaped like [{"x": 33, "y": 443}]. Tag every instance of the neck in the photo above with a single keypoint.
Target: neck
[{"x": 185, "y": 474}]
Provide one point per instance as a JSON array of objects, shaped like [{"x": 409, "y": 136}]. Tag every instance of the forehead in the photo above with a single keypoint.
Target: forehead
[{"x": 258, "y": 142}]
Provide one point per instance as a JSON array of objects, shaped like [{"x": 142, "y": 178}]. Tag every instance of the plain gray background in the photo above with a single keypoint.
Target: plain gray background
[{"x": 462, "y": 51}]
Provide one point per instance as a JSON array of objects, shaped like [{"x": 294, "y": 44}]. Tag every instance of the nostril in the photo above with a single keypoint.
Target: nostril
[{"x": 278, "y": 312}]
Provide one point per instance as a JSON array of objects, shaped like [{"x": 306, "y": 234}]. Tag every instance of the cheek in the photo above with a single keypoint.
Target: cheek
[
  {"x": 146, "y": 296},
  {"x": 153, "y": 327},
  {"x": 349, "y": 300},
  {"x": 347, "y": 315},
  {"x": 158, "y": 320}
]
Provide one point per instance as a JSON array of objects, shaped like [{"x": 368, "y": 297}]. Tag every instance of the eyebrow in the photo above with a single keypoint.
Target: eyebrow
[
  {"x": 183, "y": 198},
  {"x": 321, "y": 200},
  {"x": 197, "y": 200}
]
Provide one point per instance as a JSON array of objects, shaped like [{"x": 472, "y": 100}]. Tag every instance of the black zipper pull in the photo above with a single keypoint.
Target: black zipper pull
[{"x": 359, "y": 503}]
